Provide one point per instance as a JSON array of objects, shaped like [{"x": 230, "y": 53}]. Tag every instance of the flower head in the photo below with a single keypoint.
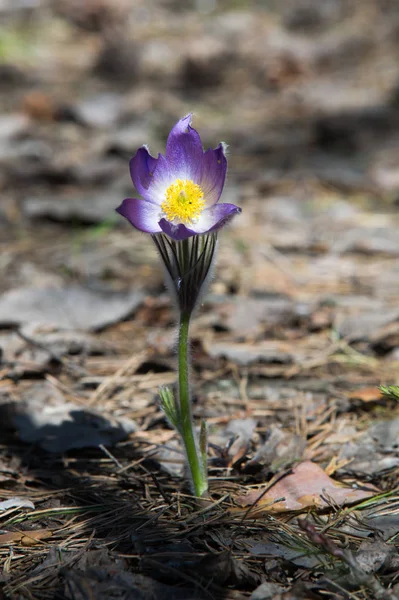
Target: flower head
[{"x": 181, "y": 190}]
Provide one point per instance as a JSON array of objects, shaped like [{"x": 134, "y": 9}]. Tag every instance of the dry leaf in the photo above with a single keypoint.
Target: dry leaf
[
  {"x": 305, "y": 487},
  {"x": 72, "y": 307},
  {"x": 44, "y": 417},
  {"x": 16, "y": 503},
  {"x": 27, "y": 538},
  {"x": 366, "y": 394},
  {"x": 246, "y": 354}
]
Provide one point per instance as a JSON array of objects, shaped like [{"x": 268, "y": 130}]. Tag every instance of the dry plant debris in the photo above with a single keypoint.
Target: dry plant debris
[
  {"x": 295, "y": 350},
  {"x": 307, "y": 486}
]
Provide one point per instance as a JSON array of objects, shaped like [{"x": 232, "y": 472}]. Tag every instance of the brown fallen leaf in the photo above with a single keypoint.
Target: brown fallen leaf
[
  {"x": 366, "y": 394},
  {"x": 307, "y": 486},
  {"x": 40, "y": 106},
  {"x": 27, "y": 538}
]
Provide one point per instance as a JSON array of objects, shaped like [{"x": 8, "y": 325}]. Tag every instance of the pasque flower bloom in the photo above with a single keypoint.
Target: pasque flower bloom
[
  {"x": 180, "y": 209},
  {"x": 181, "y": 190}
]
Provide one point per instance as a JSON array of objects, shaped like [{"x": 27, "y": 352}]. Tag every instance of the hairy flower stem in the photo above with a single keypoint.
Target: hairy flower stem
[{"x": 197, "y": 470}]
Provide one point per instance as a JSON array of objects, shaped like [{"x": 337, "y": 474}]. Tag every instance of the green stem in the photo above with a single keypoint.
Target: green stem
[{"x": 198, "y": 473}]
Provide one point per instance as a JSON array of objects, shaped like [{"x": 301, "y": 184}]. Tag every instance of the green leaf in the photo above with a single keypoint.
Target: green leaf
[
  {"x": 170, "y": 407},
  {"x": 390, "y": 391}
]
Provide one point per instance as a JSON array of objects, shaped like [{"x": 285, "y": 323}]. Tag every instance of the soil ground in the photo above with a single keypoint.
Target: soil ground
[{"x": 298, "y": 330}]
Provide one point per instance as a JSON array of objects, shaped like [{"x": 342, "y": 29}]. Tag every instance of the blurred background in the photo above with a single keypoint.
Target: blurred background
[
  {"x": 305, "y": 92},
  {"x": 301, "y": 322}
]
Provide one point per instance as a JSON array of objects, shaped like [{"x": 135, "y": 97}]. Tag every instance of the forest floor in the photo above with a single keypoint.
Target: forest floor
[{"x": 298, "y": 331}]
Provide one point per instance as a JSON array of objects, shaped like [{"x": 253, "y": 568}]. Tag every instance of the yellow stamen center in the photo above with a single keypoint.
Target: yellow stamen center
[{"x": 183, "y": 201}]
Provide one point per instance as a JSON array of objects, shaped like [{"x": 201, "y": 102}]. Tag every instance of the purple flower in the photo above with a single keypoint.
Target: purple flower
[{"x": 181, "y": 190}]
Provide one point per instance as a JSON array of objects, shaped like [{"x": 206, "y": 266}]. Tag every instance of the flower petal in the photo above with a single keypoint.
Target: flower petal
[
  {"x": 210, "y": 220},
  {"x": 184, "y": 149},
  {"x": 216, "y": 217},
  {"x": 141, "y": 214},
  {"x": 142, "y": 167},
  {"x": 176, "y": 232},
  {"x": 161, "y": 180},
  {"x": 213, "y": 174}
]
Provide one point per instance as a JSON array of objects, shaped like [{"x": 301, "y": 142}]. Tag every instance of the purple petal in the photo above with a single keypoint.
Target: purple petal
[
  {"x": 210, "y": 220},
  {"x": 142, "y": 167},
  {"x": 184, "y": 149},
  {"x": 151, "y": 176},
  {"x": 216, "y": 217},
  {"x": 141, "y": 214},
  {"x": 213, "y": 174},
  {"x": 160, "y": 182},
  {"x": 176, "y": 232}
]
